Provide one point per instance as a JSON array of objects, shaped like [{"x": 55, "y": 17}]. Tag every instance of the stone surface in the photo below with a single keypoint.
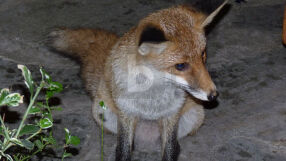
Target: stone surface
[{"x": 246, "y": 60}]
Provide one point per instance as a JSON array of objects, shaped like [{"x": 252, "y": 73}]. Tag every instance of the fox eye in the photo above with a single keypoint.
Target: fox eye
[
  {"x": 203, "y": 53},
  {"x": 182, "y": 66}
]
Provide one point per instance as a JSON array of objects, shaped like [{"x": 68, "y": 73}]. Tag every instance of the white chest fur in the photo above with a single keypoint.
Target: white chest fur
[{"x": 158, "y": 101}]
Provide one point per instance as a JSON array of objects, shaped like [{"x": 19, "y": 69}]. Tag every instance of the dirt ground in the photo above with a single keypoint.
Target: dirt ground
[{"x": 246, "y": 59}]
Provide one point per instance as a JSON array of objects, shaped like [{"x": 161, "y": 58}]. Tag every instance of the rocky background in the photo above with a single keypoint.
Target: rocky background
[{"x": 246, "y": 60}]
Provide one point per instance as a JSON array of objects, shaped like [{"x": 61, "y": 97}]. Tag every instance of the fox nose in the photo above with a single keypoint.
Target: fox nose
[{"x": 213, "y": 95}]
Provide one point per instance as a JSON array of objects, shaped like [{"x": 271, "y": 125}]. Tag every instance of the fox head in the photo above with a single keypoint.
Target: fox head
[{"x": 173, "y": 41}]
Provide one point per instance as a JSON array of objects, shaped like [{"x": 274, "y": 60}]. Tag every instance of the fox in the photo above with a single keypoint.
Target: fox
[{"x": 156, "y": 71}]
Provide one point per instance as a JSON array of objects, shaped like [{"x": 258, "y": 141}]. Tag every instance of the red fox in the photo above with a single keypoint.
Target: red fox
[{"x": 156, "y": 71}]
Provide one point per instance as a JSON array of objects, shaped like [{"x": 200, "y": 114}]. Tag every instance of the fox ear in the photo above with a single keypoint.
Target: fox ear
[
  {"x": 152, "y": 34},
  {"x": 210, "y": 18},
  {"x": 152, "y": 40},
  {"x": 147, "y": 48}
]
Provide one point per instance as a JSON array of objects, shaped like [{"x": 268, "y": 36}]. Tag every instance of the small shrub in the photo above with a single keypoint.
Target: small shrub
[{"x": 39, "y": 135}]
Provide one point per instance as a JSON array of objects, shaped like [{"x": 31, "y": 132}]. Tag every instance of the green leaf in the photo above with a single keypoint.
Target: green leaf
[
  {"x": 34, "y": 110},
  {"x": 39, "y": 144},
  {"x": 41, "y": 105},
  {"x": 50, "y": 140},
  {"x": 57, "y": 108},
  {"x": 67, "y": 136},
  {"x": 8, "y": 157},
  {"x": 45, "y": 76},
  {"x": 102, "y": 105},
  {"x": 4, "y": 92},
  {"x": 46, "y": 123},
  {"x": 29, "y": 129},
  {"x": 28, "y": 78},
  {"x": 74, "y": 140},
  {"x": 55, "y": 86},
  {"x": 16, "y": 141},
  {"x": 49, "y": 94},
  {"x": 27, "y": 144},
  {"x": 12, "y": 132},
  {"x": 67, "y": 155},
  {"x": 13, "y": 99}
]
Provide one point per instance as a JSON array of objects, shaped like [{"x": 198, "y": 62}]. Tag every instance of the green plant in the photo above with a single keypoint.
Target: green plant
[
  {"x": 37, "y": 136},
  {"x": 69, "y": 140}
]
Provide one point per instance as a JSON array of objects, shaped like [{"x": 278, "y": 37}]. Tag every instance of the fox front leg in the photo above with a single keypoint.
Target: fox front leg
[
  {"x": 125, "y": 135},
  {"x": 170, "y": 145}
]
